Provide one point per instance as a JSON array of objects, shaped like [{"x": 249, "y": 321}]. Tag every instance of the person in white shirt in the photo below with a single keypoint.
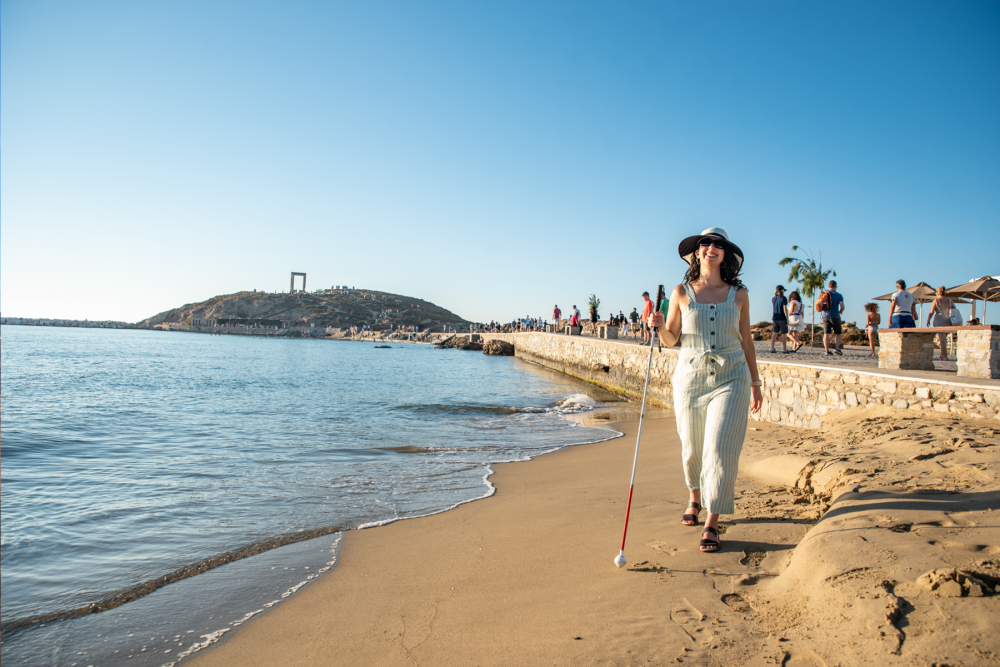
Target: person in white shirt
[{"x": 901, "y": 308}]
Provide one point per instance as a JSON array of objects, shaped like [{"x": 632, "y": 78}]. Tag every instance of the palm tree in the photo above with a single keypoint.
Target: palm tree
[{"x": 809, "y": 274}]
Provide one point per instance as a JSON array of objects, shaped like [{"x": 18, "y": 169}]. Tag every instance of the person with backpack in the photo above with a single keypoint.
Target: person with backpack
[{"x": 831, "y": 306}]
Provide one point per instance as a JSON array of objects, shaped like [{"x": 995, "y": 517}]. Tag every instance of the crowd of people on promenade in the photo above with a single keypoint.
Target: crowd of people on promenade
[
  {"x": 787, "y": 317},
  {"x": 517, "y": 326},
  {"x": 632, "y": 324},
  {"x": 788, "y": 320}
]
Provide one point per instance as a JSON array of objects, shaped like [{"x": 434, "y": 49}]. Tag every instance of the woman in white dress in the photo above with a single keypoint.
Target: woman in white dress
[
  {"x": 715, "y": 384},
  {"x": 795, "y": 321}
]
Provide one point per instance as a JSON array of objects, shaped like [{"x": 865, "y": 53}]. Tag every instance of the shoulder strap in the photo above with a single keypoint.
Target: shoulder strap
[
  {"x": 690, "y": 293},
  {"x": 732, "y": 293}
]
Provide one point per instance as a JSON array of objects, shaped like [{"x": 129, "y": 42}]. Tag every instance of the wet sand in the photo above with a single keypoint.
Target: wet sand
[{"x": 876, "y": 540}]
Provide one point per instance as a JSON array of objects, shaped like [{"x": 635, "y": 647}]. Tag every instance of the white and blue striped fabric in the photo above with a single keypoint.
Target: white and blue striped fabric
[{"x": 711, "y": 399}]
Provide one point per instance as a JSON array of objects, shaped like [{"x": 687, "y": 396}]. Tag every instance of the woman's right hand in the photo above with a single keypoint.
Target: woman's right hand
[{"x": 655, "y": 320}]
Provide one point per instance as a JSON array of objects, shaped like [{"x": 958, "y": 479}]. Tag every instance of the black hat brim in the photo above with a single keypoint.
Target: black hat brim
[{"x": 689, "y": 246}]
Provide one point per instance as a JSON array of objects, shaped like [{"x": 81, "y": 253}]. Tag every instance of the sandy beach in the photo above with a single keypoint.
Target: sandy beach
[{"x": 876, "y": 540}]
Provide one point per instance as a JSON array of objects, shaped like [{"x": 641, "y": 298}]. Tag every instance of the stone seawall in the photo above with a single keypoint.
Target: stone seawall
[
  {"x": 794, "y": 394},
  {"x": 614, "y": 365}
]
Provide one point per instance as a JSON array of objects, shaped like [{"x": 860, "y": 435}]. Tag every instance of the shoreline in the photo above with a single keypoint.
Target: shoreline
[
  {"x": 118, "y": 598},
  {"x": 526, "y": 575}
]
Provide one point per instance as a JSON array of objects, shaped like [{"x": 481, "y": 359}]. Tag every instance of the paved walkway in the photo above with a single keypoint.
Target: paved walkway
[{"x": 854, "y": 356}]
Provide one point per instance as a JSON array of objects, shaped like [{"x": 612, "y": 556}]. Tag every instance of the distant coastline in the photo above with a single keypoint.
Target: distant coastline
[{"x": 80, "y": 324}]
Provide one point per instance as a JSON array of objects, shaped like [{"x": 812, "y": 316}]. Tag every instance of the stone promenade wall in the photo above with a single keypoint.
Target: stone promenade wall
[
  {"x": 794, "y": 394},
  {"x": 611, "y": 364},
  {"x": 799, "y": 395}
]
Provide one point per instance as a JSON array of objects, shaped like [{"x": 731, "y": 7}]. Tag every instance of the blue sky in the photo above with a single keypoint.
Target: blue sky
[{"x": 495, "y": 158}]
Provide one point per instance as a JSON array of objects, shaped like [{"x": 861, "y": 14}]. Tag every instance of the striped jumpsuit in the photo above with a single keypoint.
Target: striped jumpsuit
[{"x": 711, "y": 398}]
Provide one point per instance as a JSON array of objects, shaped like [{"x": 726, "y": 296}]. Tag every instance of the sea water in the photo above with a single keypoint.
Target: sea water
[{"x": 130, "y": 455}]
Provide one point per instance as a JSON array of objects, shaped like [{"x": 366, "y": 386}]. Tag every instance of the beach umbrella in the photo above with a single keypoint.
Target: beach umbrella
[
  {"x": 983, "y": 288},
  {"x": 994, "y": 295}
]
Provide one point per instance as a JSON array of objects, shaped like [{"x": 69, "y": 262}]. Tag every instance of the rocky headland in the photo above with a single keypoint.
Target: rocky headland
[{"x": 328, "y": 308}]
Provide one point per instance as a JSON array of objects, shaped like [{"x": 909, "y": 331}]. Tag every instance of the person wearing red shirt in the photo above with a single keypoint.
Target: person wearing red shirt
[{"x": 647, "y": 310}]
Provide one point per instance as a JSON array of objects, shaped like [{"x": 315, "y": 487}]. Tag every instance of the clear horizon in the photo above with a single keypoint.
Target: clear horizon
[{"x": 492, "y": 158}]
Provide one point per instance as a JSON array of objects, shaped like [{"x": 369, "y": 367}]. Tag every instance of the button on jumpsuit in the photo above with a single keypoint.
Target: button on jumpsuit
[{"x": 711, "y": 387}]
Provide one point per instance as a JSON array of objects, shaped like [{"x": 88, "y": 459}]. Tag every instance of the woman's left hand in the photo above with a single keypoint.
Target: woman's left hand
[{"x": 758, "y": 399}]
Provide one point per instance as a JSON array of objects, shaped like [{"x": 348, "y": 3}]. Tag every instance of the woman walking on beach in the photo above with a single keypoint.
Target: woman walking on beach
[{"x": 716, "y": 379}]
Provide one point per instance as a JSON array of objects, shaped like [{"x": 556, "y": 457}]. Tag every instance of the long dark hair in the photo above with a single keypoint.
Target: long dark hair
[{"x": 730, "y": 272}]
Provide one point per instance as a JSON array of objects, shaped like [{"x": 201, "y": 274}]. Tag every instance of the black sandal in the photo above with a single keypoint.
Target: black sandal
[
  {"x": 709, "y": 546},
  {"x": 691, "y": 519}
]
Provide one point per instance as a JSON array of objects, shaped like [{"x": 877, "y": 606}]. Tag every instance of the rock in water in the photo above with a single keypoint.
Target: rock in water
[
  {"x": 460, "y": 342},
  {"x": 500, "y": 348}
]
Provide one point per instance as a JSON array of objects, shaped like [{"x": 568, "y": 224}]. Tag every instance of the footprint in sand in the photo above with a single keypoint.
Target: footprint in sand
[
  {"x": 736, "y": 603},
  {"x": 752, "y": 558},
  {"x": 961, "y": 546},
  {"x": 660, "y": 545},
  {"x": 646, "y": 566}
]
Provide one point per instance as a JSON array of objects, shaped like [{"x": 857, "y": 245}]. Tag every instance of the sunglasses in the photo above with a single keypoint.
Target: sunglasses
[{"x": 704, "y": 243}]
